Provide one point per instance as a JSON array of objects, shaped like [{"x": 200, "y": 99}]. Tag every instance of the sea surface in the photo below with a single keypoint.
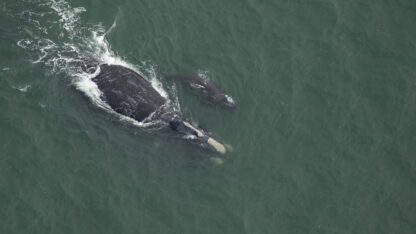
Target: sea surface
[{"x": 323, "y": 139}]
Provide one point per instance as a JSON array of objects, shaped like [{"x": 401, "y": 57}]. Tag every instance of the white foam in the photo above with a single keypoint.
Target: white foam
[
  {"x": 45, "y": 45},
  {"x": 87, "y": 86},
  {"x": 156, "y": 84},
  {"x": 24, "y": 43},
  {"x": 106, "y": 55},
  {"x": 69, "y": 17},
  {"x": 75, "y": 44},
  {"x": 23, "y": 89}
]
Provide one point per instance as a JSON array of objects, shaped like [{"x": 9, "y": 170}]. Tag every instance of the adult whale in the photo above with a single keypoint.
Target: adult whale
[{"x": 129, "y": 94}]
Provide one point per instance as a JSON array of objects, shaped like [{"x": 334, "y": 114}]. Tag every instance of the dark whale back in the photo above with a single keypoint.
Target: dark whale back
[{"x": 127, "y": 92}]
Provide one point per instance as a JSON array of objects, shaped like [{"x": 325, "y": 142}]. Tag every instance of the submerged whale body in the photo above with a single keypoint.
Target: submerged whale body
[
  {"x": 206, "y": 89},
  {"x": 129, "y": 94}
]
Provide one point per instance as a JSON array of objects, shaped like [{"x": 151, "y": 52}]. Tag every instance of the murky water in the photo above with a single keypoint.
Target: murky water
[{"x": 323, "y": 138}]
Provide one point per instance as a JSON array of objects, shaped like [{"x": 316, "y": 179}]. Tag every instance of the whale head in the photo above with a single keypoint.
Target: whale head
[
  {"x": 196, "y": 135},
  {"x": 224, "y": 100}
]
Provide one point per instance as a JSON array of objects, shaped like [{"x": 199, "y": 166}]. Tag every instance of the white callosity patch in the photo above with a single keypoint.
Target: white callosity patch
[
  {"x": 229, "y": 99},
  {"x": 204, "y": 74}
]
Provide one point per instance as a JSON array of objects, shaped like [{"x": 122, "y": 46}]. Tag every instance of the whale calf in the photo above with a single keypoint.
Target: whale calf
[
  {"x": 129, "y": 94},
  {"x": 206, "y": 88}
]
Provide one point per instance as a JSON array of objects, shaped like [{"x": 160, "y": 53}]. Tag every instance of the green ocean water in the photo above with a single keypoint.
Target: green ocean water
[{"x": 323, "y": 136}]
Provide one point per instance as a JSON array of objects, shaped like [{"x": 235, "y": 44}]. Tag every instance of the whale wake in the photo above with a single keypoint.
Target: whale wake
[{"x": 67, "y": 50}]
